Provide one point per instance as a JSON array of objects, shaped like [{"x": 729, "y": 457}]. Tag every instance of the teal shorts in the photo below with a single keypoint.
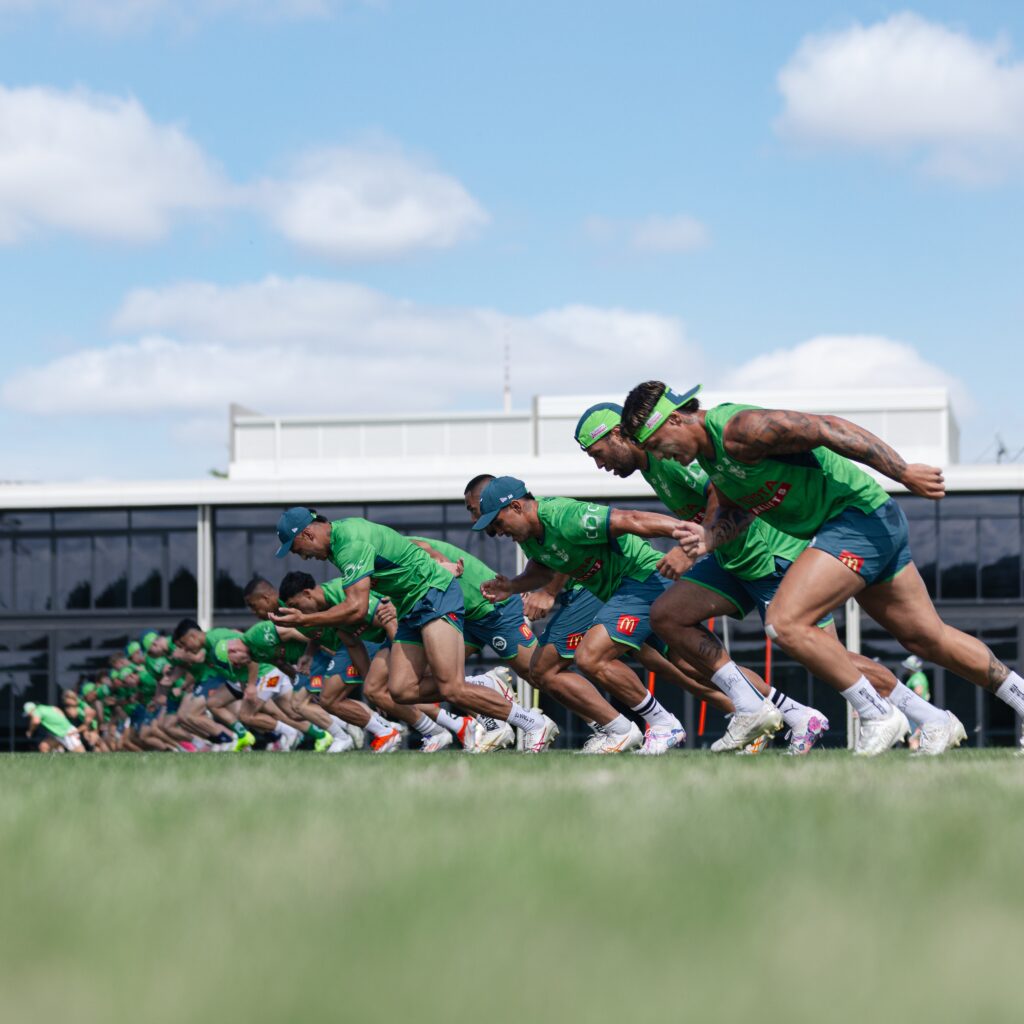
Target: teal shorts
[
  {"x": 626, "y": 615},
  {"x": 434, "y": 604},
  {"x": 342, "y": 665},
  {"x": 572, "y": 615},
  {"x": 746, "y": 595},
  {"x": 875, "y": 545},
  {"x": 504, "y": 630}
]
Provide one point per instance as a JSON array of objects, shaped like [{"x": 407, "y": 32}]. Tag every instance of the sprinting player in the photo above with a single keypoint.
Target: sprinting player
[
  {"x": 738, "y": 577},
  {"x": 55, "y": 725},
  {"x": 599, "y": 548},
  {"x": 795, "y": 470},
  {"x": 502, "y": 627},
  {"x": 427, "y": 660}
]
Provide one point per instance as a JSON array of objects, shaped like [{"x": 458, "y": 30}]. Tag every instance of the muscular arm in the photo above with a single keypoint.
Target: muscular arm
[
  {"x": 349, "y": 612},
  {"x": 643, "y": 524},
  {"x": 533, "y": 576},
  {"x": 724, "y": 521}
]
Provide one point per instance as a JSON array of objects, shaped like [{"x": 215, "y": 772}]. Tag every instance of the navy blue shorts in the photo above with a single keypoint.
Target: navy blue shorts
[
  {"x": 572, "y": 615},
  {"x": 745, "y": 595},
  {"x": 434, "y": 604},
  {"x": 318, "y": 672},
  {"x": 504, "y": 630},
  {"x": 875, "y": 545},
  {"x": 341, "y": 664},
  {"x": 208, "y": 685},
  {"x": 626, "y": 615}
]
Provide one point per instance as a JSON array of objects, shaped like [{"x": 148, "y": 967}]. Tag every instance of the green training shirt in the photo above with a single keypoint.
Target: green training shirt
[
  {"x": 399, "y": 569},
  {"x": 474, "y": 573},
  {"x": 795, "y": 493},
  {"x": 576, "y": 541},
  {"x": 53, "y": 719},
  {"x": 264, "y": 643},
  {"x": 683, "y": 489},
  {"x": 334, "y": 591}
]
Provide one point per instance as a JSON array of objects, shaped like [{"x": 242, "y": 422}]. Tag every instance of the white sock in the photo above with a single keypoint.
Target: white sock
[
  {"x": 916, "y": 708},
  {"x": 735, "y": 685},
  {"x": 426, "y": 726},
  {"x": 794, "y": 714},
  {"x": 1012, "y": 692},
  {"x": 286, "y": 732},
  {"x": 376, "y": 726},
  {"x": 449, "y": 721},
  {"x": 521, "y": 718},
  {"x": 654, "y": 714},
  {"x": 337, "y": 728},
  {"x": 865, "y": 700},
  {"x": 618, "y": 726}
]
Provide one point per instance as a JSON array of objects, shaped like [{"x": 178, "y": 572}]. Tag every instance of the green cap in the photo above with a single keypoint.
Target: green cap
[
  {"x": 133, "y": 648},
  {"x": 220, "y": 651},
  {"x": 663, "y": 408},
  {"x": 88, "y": 688},
  {"x": 148, "y": 639},
  {"x": 598, "y": 421}
]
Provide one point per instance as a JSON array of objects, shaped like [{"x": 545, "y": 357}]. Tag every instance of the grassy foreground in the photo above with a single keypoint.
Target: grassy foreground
[{"x": 272, "y": 887}]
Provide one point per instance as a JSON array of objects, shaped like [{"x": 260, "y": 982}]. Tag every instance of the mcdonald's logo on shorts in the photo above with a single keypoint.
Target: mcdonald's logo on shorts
[
  {"x": 351, "y": 672},
  {"x": 525, "y": 632},
  {"x": 573, "y": 640},
  {"x": 627, "y": 625},
  {"x": 316, "y": 682},
  {"x": 851, "y": 561}
]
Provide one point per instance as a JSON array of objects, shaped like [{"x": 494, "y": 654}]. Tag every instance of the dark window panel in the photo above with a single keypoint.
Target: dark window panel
[
  {"x": 74, "y": 572},
  {"x": 181, "y": 571},
  {"x": 231, "y": 568},
  {"x": 958, "y": 559},
  {"x": 25, "y": 521},
  {"x": 1000, "y": 550},
  {"x": 917, "y": 508},
  {"x": 32, "y": 574},
  {"x": 147, "y": 570},
  {"x": 6, "y": 574},
  {"x": 954, "y": 505},
  {"x": 110, "y": 583},
  {"x": 88, "y": 520},
  {"x": 156, "y": 518},
  {"x": 331, "y": 512},
  {"x": 405, "y": 517},
  {"x": 924, "y": 549}
]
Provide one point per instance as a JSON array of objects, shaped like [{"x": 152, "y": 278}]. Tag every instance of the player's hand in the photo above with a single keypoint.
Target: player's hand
[
  {"x": 288, "y": 617},
  {"x": 385, "y": 613},
  {"x": 674, "y": 564},
  {"x": 924, "y": 481},
  {"x": 455, "y": 568},
  {"x": 304, "y": 664},
  {"x": 692, "y": 540},
  {"x": 537, "y": 604},
  {"x": 497, "y": 589}
]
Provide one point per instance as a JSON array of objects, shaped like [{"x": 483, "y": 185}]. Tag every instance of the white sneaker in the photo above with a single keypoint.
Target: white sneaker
[
  {"x": 877, "y": 735},
  {"x": 356, "y": 734},
  {"x": 802, "y": 737},
  {"x": 498, "y": 738},
  {"x": 746, "y": 726},
  {"x": 614, "y": 743},
  {"x": 541, "y": 737},
  {"x": 504, "y": 682},
  {"x": 661, "y": 739},
  {"x": 341, "y": 745},
  {"x": 386, "y": 742},
  {"x": 755, "y": 747},
  {"x": 467, "y": 734},
  {"x": 938, "y": 737},
  {"x": 439, "y": 741}
]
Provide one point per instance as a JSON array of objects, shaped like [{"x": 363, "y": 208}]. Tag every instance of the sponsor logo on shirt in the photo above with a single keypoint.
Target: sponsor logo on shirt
[
  {"x": 573, "y": 640},
  {"x": 851, "y": 561},
  {"x": 627, "y": 625},
  {"x": 594, "y": 569},
  {"x": 768, "y": 497}
]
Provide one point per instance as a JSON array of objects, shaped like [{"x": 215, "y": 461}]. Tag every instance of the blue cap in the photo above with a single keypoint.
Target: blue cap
[
  {"x": 495, "y": 496},
  {"x": 290, "y": 525}
]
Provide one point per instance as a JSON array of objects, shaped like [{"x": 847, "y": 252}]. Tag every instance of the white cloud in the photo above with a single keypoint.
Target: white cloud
[
  {"x": 845, "y": 361},
  {"x": 909, "y": 85},
  {"x": 657, "y": 234},
  {"x": 125, "y": 15},
  {"x": 347, "y": 203},
  {"x": 288, "y": 345},
  {"x": 98, "y": 166}
]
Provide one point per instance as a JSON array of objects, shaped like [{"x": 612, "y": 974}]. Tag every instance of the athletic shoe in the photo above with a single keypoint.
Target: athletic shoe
[
  {"x": 614, "y": 743},
  {"x": 187, "y": 747},
  {"x": 877, "y": 735},
  {"x": 541, "y": 737},
  {"x": 356, "y": 735},
  {"x": 324, "y": 743},
  {"x": 803, "y": 737},
  {"x": 467, "y": 734},
  {"x": 386, "y": 742},
  {"x": 489, "y": 740},
  {"x": 660, "y": 739},
  {"x": 504, "y": 682},
  {"x": 938, "y": 737},
  {"x": 342, "y": 744},
  {"x": 439, "y": 741},
  {"x": 294, "y": 741},
  {"x": 758, "y": 746},
  {"x": 245, "y": 741},
  {"x": 746, "y": 726}
]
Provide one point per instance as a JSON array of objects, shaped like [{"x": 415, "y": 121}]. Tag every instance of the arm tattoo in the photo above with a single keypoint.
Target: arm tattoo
[
  {"x": 759, "y": 433},
  {"x": 997, "y": 673},
  {"x": 729, "y": 523}
]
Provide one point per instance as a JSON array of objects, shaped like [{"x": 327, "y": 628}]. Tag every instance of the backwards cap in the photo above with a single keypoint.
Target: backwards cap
[{"x": 663, "y": 408}]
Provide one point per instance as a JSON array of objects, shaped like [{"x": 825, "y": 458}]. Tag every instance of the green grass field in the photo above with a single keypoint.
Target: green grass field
[{"x": 268, "y": 887}]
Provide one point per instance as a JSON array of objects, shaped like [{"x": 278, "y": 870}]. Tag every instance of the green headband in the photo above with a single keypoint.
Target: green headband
[
  {"x": 663, "y": 408},
  {"x": 597, "y": 422}
]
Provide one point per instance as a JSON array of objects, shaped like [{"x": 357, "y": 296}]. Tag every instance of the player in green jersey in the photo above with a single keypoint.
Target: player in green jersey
[
  {"x": 794, "y": 470},
  {"x": 738, "y": 577},
  {"x": 55, "y": 725},
  {"x": 427, "y": 660},
  {"x": 602, "y": 549}
]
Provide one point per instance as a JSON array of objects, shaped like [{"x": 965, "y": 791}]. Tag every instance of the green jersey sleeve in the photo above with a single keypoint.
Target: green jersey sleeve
[{"x": 580, "y": 522}]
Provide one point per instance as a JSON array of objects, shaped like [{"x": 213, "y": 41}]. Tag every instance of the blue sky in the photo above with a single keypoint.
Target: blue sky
[{"x": 301, "y": 205}]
